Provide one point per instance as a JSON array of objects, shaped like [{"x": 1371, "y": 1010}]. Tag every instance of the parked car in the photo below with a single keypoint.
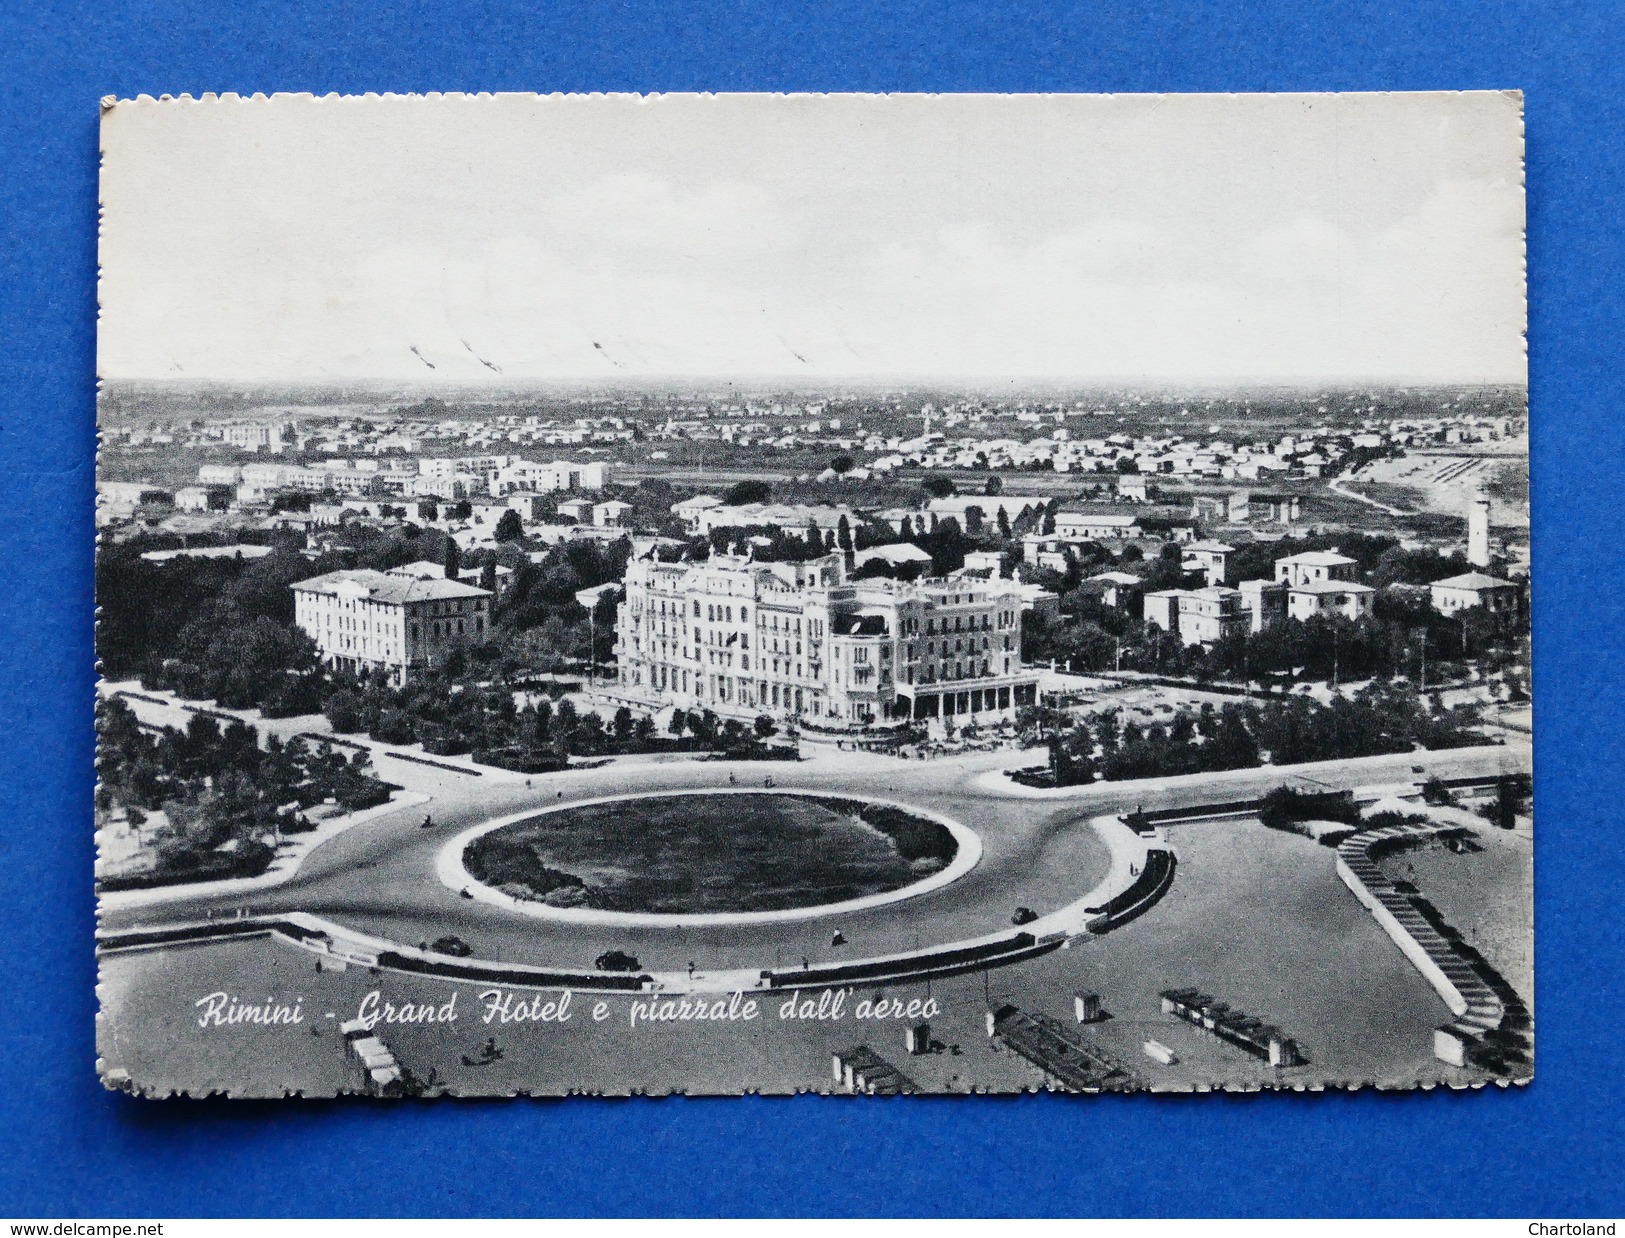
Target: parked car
[
  {"x": 452, "y": 945},
  {"x": 1024, "y": 915},
  {"x": 615, "y": 960}
]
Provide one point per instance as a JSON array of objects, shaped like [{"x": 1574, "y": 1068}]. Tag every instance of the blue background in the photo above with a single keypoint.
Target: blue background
[{"x": 68, "y": 1148}]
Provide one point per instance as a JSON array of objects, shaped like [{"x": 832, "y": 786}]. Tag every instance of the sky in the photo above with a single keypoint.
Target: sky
[{"x": 1066, "y": 238}]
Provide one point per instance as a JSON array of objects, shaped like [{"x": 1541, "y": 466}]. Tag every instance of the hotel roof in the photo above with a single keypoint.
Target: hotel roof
[{"x": 387, "y": 588}]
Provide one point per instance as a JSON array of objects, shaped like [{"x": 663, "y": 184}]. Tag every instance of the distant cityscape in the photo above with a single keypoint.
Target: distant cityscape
[{"x": 1034, "y": 518}]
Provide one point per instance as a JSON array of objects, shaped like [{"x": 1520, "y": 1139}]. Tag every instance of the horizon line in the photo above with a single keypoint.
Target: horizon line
[{"x": 474, "y": 382}]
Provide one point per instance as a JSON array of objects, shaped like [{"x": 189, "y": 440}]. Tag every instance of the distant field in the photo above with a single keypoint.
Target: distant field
[{"x": 1409, "y": 498}]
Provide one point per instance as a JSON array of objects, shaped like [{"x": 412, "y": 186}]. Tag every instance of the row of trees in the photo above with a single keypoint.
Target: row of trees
[
  {"x": 1404, "y": 636},
  {"x": 1380, "y": 719},
  {"x": 449, "y": 717}
]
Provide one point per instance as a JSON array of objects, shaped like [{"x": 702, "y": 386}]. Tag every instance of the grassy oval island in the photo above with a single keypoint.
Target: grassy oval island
[{"x": 698, "y": 854}]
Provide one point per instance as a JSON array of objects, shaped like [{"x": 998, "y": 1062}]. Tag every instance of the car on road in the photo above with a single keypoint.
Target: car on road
[
  {"x": 615, "y": 960},
  {"x": 452, "y": 945}
]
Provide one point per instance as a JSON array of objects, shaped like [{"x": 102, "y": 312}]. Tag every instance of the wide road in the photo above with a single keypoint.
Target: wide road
[{"x": 379, "y": 877}]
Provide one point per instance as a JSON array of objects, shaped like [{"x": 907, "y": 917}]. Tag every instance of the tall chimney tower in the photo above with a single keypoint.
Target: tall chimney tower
[{"x": 1478, "y": 530}]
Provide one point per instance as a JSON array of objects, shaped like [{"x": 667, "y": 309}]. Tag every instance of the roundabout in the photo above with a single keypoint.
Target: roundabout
[
  {"x": 706, "y": 858},
  {"x": 1030, "y": 871}
]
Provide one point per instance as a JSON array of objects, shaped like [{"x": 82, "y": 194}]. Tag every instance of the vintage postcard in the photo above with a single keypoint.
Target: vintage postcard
[{"x": 861, "y": 594}]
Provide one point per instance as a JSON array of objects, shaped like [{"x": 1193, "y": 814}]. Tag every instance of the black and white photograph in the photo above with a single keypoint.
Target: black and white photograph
[{"x": 860, "y": 594}]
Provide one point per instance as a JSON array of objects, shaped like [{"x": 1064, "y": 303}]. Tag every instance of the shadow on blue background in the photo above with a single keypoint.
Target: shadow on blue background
[{"x": 69, "y": 1149}]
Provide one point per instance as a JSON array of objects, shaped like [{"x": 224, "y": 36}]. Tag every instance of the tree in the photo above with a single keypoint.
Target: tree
[
  {"x": 995, "y": 486},
  {"x": 1435, "y": 792},
  {"x": 751, "y": 490},
  {"x": 622, "y": 723},
  {"x": 510, "y": 528},
  {"x": 544, "y": 721},
  {"x": 453, "y": 558},
  {"x": 343, "y": 712},
  {"x": 488, "y": 577},
  {"x": 764, "y": 726},
  {"x": 678, "y": 723},
  {"x": 567, "y": 717},
  {"x": 589, "y": 732},
  {"x": 905, "y": 529},
  {"x": 428, "y": 510},
  {"x": 842, "y": 464},
  {"x": 939, "y": 487},
  {"x": 1127, "y": 464},
  {"x": 843, "y": 533}
]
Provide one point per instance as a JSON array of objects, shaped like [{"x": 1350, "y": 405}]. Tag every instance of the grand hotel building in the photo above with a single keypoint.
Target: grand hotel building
[{"x": 804, "y": 641}]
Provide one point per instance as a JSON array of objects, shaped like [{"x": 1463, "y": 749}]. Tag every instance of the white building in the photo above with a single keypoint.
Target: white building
[
  {"x": 1117, "y": 588},
  {"x": 395, "y": 621},
  {"x": 1314, "y": 565},
  {"x": 611, "y": 514},
  {"x": 1473, "y": 589},
  {"x": 805, "y": 642},
  {"x": 523, "y": 475},
  {"x": 901, "y": 554},
  {"x": 689, "y": 510},
  {"x": 258, "y": 435},
  {"x": 1264, "y": 600},
  {"x": 1198, "y": 616},
  {"x": 194, "y": 499},
  {"x": 1346, "y": 598},
  {"x": 1095, "y": 527},
  {"x": 1209, "y": 558},
  {"x": 791, "y": 517}
]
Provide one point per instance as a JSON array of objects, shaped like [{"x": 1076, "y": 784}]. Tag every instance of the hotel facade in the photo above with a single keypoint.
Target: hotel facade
[
  {"x": 806, "y": 643},
  {"x": 395, "y": 621}
]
